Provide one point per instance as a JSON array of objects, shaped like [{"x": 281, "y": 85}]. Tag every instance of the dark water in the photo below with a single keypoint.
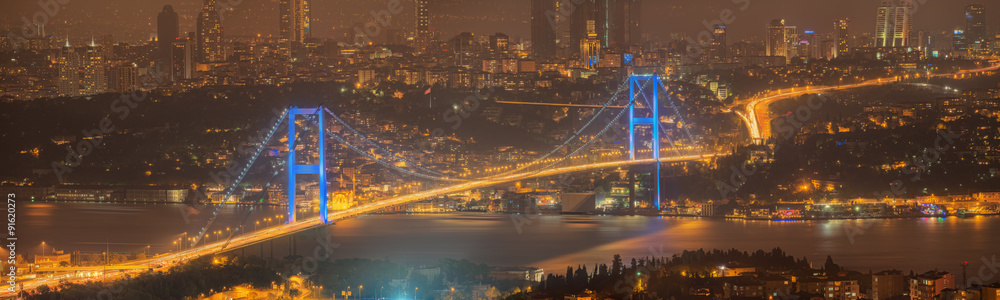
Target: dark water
[{"x": 551, "y": 242}]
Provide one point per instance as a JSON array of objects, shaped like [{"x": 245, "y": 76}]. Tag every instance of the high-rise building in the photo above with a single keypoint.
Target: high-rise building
[
  {"x": 627, "y": 31},
  {"x": 975, "y": 26},
  {"x": 167, "y": 30},
  {"x": 81, "y": 71},
  {"x": 464, "y": 48},
  {"x": 807, "y": 47},
  {"x": 209, "y": 34},
  {"x": 791, "y": 42},
  {"x": 590, "y": 48},
  {"x": 720, "y": 51},
  {"x": 499, "y": 44},
  {"x": 70, "y": 65},
  {"x": 923, "y": 42},
  {"x": 123, "y": 78},
  {"x": 543, "y": 35},
  {"x": 294, "y": 26},
  {"x": 182, "y": 55},
  {"x": 422, "y": 28},
  {"x": 584, "y": 15},
  {"x": 616, "y": 22},
  {"x": 562, "y": 26},
  {"x": 777, "y": 43},
  {"x": 107, "y": 43},
  {"x": 841, "y": 37},
  {"x": 95, "y": 80},
  {"x": 958, "y": 41},
  {"x": 894, "y": 23}
]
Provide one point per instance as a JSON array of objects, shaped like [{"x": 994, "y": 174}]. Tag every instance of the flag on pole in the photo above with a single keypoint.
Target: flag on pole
[{"x": 428, "y": 92}]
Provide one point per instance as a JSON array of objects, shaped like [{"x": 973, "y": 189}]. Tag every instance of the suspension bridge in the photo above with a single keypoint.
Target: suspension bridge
[{"x": 637, "y": 123}]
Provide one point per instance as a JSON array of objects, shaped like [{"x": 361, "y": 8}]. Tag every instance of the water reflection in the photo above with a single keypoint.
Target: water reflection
[{"x": 551, "y": 242}]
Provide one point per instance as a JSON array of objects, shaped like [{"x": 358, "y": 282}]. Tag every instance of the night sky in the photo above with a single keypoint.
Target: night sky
[{"x": 135, "y": 20}]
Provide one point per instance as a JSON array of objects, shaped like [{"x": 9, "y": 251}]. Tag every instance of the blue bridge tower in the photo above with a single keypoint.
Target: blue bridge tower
[
  {"x": 646, "y": 86},
  {"x": 296, "y": 169}
]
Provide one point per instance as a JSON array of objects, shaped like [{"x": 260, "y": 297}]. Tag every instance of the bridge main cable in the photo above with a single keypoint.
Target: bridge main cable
[
  {"x": 386, "y": 164},
  {"x": 378, "y": 146},
  {"x": 575, "y": 135},
  {"x": 229, "y": 190}
]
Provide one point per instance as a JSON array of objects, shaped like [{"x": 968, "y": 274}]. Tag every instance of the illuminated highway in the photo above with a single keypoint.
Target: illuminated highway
[
  {"x": 163, "y": 262},
  {"x": 757, "y": 119}
]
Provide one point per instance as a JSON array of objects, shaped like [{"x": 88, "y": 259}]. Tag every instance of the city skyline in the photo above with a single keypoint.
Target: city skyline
[
  {"x": 658, "y": 18},
  {"x": 469, "y": 150}
]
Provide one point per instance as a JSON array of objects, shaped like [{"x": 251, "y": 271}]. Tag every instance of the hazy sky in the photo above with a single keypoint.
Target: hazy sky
[{"x": 131, "y": 20}]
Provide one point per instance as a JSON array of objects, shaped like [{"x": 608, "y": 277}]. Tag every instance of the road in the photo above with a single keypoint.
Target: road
[{"x": 757, "y": 118}]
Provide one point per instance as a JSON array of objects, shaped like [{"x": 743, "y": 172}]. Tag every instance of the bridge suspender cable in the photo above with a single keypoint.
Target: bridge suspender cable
[
  {"x": 229, "y": 190},
  {"x": 386, "y": 164},
  {"x": 574, "y": 136},
  {"x": 373, "y": 143},
  {"x": 678, "y": 113},
  {"x": 591, "y": 141}
]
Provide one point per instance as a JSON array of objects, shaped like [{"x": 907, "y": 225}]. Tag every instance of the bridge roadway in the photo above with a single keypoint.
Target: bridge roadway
[
  {"x": 163, "y": 262},
  {"x": 757, "y": 118}
]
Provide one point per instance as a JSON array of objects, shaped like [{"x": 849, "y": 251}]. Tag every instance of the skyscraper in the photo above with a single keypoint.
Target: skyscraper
[
  {"x": 975, "y": 26},
  {"x": 464, "y": 46},
  {"x": 209, "y": 34},
  {"x": 499, "y": 44},
  {"x": 422, "y": 34},
  {"x": 616, "y": 22},
  {"x": 627, "y": 30},
  {"x": 777, "y": 43},
  {"x": 590, "y": 48},
  {"x": 720, "y": 51},
  {"x": 167, "y": 30},
  {"x": 543, "y": 35},
  {"x": 841, "y": 37},
  {"x": 584, "y": 14},
  {"x": 95, "y": 80},
  {"x": 70, "y": 75},
  {"x": 791, "y": 42},
  {"x": 893, "y": 24},
  {"x": 807, "y": 47},
  {"x": 293, "y": 26},
  {"x": 958, "y": 41}
]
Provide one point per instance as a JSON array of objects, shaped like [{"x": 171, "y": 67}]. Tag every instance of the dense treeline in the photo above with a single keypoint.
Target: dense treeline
[{"x": 664, "y": 276}]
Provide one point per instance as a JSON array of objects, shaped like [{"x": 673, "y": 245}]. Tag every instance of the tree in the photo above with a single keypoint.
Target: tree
[
  {"x": 616, "y": 265},
  {"x": 830, "y": 267}
]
